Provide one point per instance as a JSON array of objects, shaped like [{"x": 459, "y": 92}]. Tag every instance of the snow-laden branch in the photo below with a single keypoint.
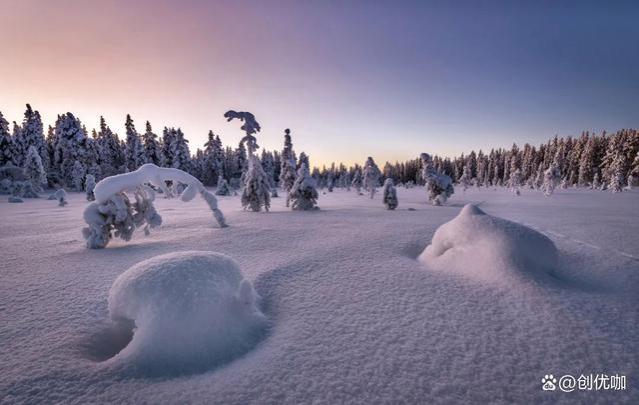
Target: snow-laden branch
[{"x": 113, "y": 211}]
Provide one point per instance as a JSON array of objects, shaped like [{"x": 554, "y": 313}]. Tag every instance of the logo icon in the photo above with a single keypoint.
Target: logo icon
[{"x": 548, "y": 383}]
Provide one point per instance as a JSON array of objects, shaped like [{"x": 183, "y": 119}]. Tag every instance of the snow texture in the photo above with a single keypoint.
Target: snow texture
[
  {"x": 192, "y": 311},
  {"x": 354, "y": 317}
]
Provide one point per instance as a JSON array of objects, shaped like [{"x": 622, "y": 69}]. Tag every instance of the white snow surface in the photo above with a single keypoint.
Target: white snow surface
[
  {"x": 490, "y": 249},
  {"x": 354, "y": 316},
  {"x": 191, "y": 311}
]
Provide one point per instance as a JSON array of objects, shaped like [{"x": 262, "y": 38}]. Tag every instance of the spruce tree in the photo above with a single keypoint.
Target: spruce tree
[
  {"x": 134, "y": 156},
  {"x": 287, "y": 169},
  {"x": 152, "y": 152},
  {"x": 370, "y": 176},
  {"x": 6, "y": 143},
  {"x": 303, "y": 194},
  {"x": 34, "y": 169},
  {"x": 389, "y": 194}
]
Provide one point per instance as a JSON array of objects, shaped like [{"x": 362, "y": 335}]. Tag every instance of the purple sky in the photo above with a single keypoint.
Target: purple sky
[{"x": 350, "y": 78}]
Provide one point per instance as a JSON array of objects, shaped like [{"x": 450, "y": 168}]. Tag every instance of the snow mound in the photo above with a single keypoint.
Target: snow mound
[
  {"x": 488, "y": 248},
  {"x": 191, "y": 311}
]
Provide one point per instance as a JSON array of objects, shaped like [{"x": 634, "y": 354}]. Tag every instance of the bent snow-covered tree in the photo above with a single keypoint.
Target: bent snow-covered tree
[
  {"x": 389, "y": 194},
  {"x": 438, "y": 186},
  {"x": 124, "y": 202},
  {"x": 303, "y": 194}
]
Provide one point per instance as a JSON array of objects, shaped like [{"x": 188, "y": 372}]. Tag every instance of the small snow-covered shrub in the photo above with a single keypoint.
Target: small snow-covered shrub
[
  {"x": 303, "y": 194},
  {"x": 14, "y": 199},
  {"x": 488, "y": 248},
  {"x": 551, "y": 177},
  {"x": 192, "y": 311},
  {"x": 438, "y": 186},
  {"x": 61, "y": 196},
  {"x": 389, "y": 194},
  {"x": 222, "y": 187},
  {"x": 114, "y": 213}
]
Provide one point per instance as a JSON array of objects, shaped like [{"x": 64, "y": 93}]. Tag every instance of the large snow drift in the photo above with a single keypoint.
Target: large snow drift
[
  {"x": 192, "y": 311},
  {"x": 488, "y": 248}
]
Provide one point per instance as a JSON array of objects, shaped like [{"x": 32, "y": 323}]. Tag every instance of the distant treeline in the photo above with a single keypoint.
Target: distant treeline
[{"x": 68, "y": 152}]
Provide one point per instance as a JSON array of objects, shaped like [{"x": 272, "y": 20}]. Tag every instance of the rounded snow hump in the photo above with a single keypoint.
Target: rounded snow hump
[
  {"x": 191, "y": 311},
  {"x": 489, "y": 249}
]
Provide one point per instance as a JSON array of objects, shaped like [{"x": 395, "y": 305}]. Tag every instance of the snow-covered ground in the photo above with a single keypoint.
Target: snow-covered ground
[{"x": 354, "y": 316}]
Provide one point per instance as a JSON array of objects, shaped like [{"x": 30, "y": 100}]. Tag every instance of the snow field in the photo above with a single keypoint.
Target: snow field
[{"x": 354, "y": 316}]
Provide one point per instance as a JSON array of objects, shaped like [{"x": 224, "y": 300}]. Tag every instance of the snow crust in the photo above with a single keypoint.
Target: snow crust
[
  {"x": 192, "y": 311},
  {"x": 488, "y": 248}
]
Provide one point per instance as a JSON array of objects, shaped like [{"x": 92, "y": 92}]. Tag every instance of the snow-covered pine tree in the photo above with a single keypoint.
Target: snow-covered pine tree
[
  {"x": 110, "y": 150},
  {"x": 370, "y": 176},
  {"x": 181, "y": 153},
  {"x": 464, "y": 180},
  {"x": 33, "y": 169},
  {"x": 6, "y": 143},
  {"x": 134, "y": 155},
  {"x": 287, "y": 168},
  {"x": 89, "y": 186},
  {"x": 256, "y": 187},
  {"x": 389, "y": 194},
  {"x": 222, "y": 187},
  {"x": 303, "y": 159},
  {"x": 596, "y": 183},
  {"x": 303, "y": 194},
  {"x": 30, "y": 134},
  {"x": 213, "y": 159},
  {"x": 77, "y": 174},
  {"x": 438, "y": 186},
  {"x": 615, "y": 163},
  {"x": 168, "y": 146},
  {"x": 71, "y": 147},
  {"x": 357, "y": 180},
  {"x": 152, "y": 151},
  {"x": 552, "y": 176},
  {"x": 515, "y": 182}
]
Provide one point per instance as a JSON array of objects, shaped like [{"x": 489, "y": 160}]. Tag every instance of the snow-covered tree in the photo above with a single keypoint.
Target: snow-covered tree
[
  {"x": 303, "y": 194},
  {"x": 134, "y": 153},
  {"x": 552, "y": 176},
  {"x": 596, "y": 183},
  {"x": 71, "y": 147},
  {"x": 77, "y": 174},
  {"x": 356, "y": 183},
  {"x": 303, "y": 159},
  {"x": 389, "y": 194},
  {"x": 6, "y": 143},
  {"x": 30, "y": 134},
  {"x": 213, "y": 160},
  {"x": 152, "y": 152},
  {"x": 33, "y": 168},
  {"x": 124, "y": 203},
  {"x": 256, "y": 191},
  {"x": 287, "y": 169},
  {"x": 89, "y": 186},
  {"x": 515, "y": 181},
  {"x": 61, "y": 196},
  {"x": 465, "y": 179},
  {"x": 111, "y": 153},
  {"x": 222, "y": 187},
  {"x": 438, "y": 186},
  {"x": 370, "y": 176},
  {"x": 256, "y": 186}
]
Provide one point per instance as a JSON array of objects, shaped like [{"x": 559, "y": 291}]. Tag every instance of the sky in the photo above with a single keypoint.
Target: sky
[{"x": 351, "y": 79}]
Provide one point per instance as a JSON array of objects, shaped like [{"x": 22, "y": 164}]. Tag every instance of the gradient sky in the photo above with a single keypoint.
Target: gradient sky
[{"x": 388, "y": 79}]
